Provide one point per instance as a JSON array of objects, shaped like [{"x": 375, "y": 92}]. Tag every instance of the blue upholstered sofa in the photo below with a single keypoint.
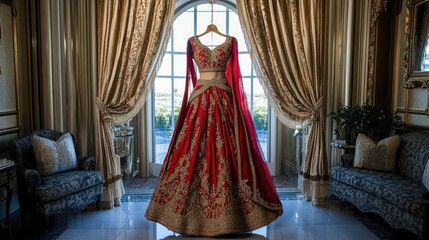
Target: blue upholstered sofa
[
  {"x": 399, "y": 197},
  {"x": 63, "y": 192}
]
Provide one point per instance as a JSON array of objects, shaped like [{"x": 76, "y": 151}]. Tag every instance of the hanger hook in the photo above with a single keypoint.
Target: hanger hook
[{"x": 211, "y": 2}]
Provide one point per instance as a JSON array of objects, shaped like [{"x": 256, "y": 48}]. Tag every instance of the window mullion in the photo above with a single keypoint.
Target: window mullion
[
  {"x": 195, "y": 20},
  {"x": 227, "y": 21}
]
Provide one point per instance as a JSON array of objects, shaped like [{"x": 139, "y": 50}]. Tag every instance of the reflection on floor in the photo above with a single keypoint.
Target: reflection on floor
[{"x": 300, "y": 220}]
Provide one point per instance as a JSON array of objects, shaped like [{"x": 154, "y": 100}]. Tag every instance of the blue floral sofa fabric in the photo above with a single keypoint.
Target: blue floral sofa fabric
[
  {"x": 397, "y": 197},
  {"x": 63, "y": 192}
]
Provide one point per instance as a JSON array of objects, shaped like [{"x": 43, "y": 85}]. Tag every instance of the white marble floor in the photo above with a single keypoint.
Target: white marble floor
[{"x": 300, "y": 220}]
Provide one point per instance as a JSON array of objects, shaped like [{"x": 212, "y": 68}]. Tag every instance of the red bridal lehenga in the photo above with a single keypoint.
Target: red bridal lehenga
[{"x": 214, "y": 179}]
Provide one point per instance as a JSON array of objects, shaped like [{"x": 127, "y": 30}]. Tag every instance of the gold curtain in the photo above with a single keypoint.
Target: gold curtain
[
  {"x": 132, "y": 37},
  {"x": 285, "y": 40},
  {"x": 80, "y": 38},
  {"x": 69, "y": 69}
]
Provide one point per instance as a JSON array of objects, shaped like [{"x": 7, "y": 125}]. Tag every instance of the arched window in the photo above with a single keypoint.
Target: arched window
[{"x": 170, "y": 82}]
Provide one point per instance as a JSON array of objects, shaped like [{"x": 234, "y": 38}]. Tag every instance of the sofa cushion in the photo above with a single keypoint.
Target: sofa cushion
[
  {"x": 72, "y": 203},
  {"x": 61, "y": 184},
  {"x": 413, "y": 155},
  {"x": 399, "y": 190},
  {"x": 376, "y": 156},
  {"x": 54, "y": 156}
]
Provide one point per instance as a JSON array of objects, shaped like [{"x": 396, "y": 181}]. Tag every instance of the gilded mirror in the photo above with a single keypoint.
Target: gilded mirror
[
  {"x": 416, "y": 51},
  {"x": 417, "y": 45}
]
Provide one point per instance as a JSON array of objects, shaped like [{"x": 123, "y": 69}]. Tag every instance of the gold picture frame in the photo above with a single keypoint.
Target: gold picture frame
[
  {"x": 416, "y": 22},
  {"x": 9, "y": 49}
]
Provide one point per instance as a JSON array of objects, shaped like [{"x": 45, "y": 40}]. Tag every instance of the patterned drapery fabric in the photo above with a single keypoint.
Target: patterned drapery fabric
[
  {"x": 132, "y": 37},
  {"x": 286, "y": 40}
]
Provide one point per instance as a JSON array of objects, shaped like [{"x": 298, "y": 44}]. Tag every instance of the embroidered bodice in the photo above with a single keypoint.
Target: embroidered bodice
[{"x": 211, "y": 60}]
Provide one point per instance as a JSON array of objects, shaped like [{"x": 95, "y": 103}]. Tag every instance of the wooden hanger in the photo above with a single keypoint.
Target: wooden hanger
[{"x": 212, "y": 28}]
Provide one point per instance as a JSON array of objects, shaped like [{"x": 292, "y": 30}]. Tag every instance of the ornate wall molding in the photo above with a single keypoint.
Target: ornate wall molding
[
  {"x": 380, "y": 6},
  {"x": 377, "y": 7},
  {"x": 412, "y": 79},
  {"x": 406, "y": 41},
  {"x": 412, "y": 84}
]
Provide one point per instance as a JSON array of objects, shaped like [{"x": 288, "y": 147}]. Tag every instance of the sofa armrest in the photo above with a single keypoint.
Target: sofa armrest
[
  {"x": 86, "y": 163},
  {"x": 32, "y": 177}
]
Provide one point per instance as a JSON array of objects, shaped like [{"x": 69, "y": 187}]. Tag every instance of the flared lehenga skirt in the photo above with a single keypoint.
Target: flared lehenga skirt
[{"x": 201, "y": 189}]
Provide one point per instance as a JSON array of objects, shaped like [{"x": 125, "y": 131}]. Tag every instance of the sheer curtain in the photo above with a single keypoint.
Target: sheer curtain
[
  {"x": 285, "y": 39},
  {"x": 132, "y": 37}
]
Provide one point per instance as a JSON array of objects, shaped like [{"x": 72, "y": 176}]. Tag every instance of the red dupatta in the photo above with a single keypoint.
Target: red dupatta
[{"x": 249, "y": 151}]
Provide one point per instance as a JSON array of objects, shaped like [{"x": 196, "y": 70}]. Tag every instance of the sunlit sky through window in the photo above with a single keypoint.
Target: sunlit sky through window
[
  {"x": 185, "y": 27},
  {"x": 170, "y": 82}
]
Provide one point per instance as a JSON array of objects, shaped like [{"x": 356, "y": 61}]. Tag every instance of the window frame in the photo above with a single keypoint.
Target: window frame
[{"x": 181, "y": 7}]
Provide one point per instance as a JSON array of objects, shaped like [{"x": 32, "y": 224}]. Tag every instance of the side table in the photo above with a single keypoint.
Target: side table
[
  {"x": 348, "y": 156},
  {"x": 6, "y": 167}
]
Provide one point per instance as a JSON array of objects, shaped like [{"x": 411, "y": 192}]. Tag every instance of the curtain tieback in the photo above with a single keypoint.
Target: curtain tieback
[
  {"x": 104, "y": 111},
  {"x": 316, "y": 108}
]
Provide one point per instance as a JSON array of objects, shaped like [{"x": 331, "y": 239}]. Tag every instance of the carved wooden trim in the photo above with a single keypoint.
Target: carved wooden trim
[
  {"x": 406, "y": 52},
  {"x": 421, "y": 81},
  {"x": 410, "y": 83},
  {"x": 410, "y": 128},
  {"x": 377, "y": 7},
  {"x": 411, "y": 111},
  {"x": 380, "y": 6},
  {"x": 413, "y": 83}
]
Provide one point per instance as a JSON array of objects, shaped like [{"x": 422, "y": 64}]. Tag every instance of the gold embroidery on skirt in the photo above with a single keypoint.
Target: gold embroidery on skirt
[{"x": 191, "y": 202}]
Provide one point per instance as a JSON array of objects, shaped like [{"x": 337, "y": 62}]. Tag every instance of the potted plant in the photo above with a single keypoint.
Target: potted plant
[
  {"x": 347, "y": 118},
  {"x": 378, "y": 121},
  {"x": 374, "y": 121}
]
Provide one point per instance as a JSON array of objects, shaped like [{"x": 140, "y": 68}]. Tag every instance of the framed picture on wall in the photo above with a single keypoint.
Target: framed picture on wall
[{"x": 9, "y": 98}]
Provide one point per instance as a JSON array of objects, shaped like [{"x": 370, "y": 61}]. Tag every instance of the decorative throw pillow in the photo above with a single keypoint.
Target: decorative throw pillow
[
  {"x": 54, "y": 156},
  {"x": 376, "y": 156}
]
